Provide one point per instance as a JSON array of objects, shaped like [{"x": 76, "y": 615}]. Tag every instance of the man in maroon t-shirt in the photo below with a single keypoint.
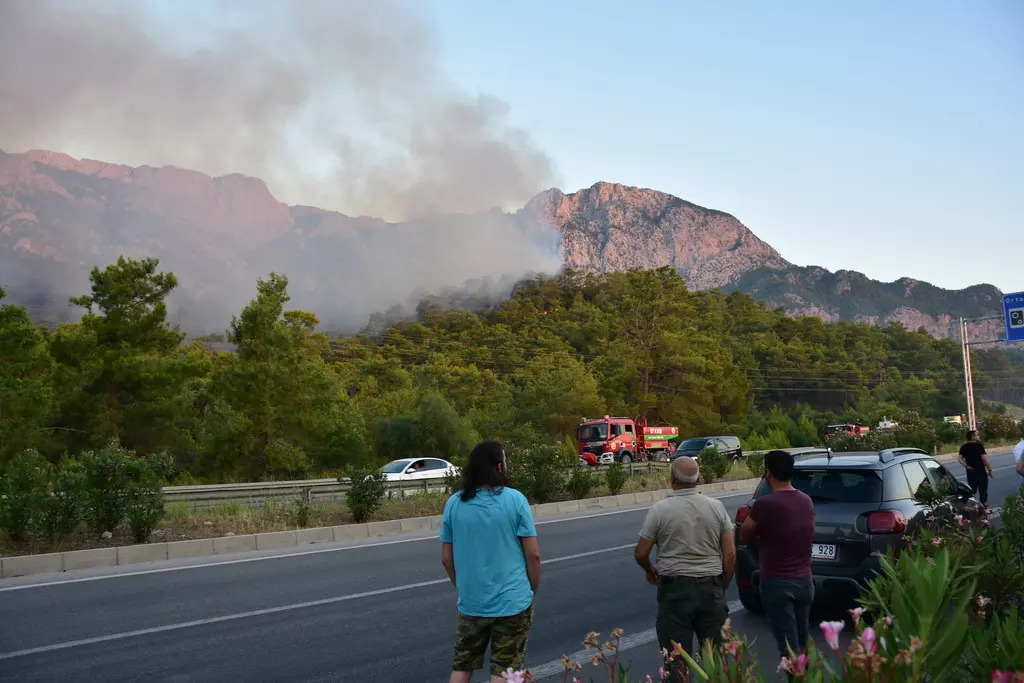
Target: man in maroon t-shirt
[{"x": 782, "y": 523}]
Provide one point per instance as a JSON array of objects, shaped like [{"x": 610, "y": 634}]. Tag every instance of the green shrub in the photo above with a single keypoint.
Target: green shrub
[
  {"x": 144, "y": 508},
  {"x": 755, "y": 442},
  {"x": 62, "y": 509},
  {"x": 23, "y": 487},
  {"x": 581, "y": 482},
  {"x": 107, "y": 475},
  {"x": 303, "y": 508},
  {"x": 119, "y": 484},
  {"x": 950, "y": 432},
  {"x": 914, "y": 431},
  {"x": 366, "y": 492},
  {"x": 616, "y": 478},
  {"x": 538, "y": 471},
  {"x": 999, "y": 427},
  {"x": 755, "y": 463},
  {"x": 713, "y": 464},
  {"x": 776, "y": 438}
]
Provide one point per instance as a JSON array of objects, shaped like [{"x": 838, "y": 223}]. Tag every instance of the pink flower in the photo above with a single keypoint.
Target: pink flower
[
  {"x": 980, "y": 539},
  {"x": 936, "y": 542},
  {"x": 514, "y": 676},
  {"x": 868, "y": 638},
  {"x": 647, "y": 679},
  {"x": 662, "y": 674},
  {"x": 831, "y": 631},
  {"x": 888, "y": 622},
  {"x": 1002, "y": 677},
  {"x": 800, "y": 665},
  {"x": 857, "y": 613},
  {"x": 731, "y": 647},
  {"x": 985, "y": 522}
]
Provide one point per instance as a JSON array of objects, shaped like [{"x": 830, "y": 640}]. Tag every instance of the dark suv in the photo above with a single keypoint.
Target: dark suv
[
  {"x": 863, "y": 505},
  {"x": 729, "y": 445}
]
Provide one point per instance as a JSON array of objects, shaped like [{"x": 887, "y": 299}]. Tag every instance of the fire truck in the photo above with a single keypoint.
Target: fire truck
[
  {"x": 833, "y": 431},
  {"x": 623, "y": 439}
]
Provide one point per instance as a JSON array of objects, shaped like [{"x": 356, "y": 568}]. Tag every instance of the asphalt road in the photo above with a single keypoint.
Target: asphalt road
[{"x": 377, "y": 611}]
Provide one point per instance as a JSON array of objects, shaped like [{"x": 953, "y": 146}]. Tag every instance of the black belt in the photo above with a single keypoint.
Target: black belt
[{"x": 669, "y": 580}]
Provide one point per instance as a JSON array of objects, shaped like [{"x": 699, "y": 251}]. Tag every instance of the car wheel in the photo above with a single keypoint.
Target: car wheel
[
  {"x": 626, "y": 459},
  {"x": 750, "y": 598}
]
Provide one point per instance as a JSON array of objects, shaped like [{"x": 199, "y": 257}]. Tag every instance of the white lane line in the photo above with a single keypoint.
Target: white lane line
[
  {"x": 263, "y": 558},
  {"x": 268, "y": 610},
  {"x": 628, "y": 642}
]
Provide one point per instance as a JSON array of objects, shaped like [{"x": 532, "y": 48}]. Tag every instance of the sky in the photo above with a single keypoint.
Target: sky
[{"x": 884, "y": 137}]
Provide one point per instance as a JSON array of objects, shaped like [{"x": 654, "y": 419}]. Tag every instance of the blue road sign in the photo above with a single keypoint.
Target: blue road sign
[{"x": 1013, "y": 309}]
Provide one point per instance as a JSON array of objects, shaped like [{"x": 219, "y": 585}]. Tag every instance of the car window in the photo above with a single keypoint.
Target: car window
[
  {"x": 693, "y": 444},
  {"x": 896, "y": 487},
  {"x": 937, "y": 474},
  {"x": 436, "y": 465},
  {"x": 839, "y": 486},
  {"x": 394, "y": 467},
  {"x": 597, "y": 432},
  {"x": 629, "y": 429},
  {"x": 834, "y": 486},
  {"x": 616, "y": 430},
  {"x": 916, "y": 477}
]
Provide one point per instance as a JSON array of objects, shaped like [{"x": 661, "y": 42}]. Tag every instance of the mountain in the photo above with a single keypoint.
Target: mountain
[{"x": 60, "y": 216}]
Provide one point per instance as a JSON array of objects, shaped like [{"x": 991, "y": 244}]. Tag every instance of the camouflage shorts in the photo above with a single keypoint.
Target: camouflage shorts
[{"x": 507, "y": 637}]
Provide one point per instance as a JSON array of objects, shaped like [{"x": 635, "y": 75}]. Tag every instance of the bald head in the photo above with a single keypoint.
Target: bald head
[{"x": 685, "y": 472}]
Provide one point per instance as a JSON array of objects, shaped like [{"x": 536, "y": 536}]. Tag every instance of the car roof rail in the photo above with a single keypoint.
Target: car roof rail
[{"x": 888, "y": 454}]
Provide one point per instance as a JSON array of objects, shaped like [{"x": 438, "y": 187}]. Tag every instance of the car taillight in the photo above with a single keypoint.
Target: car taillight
[
  {"x": 887, "y": 522},
  {"x": 742, "y": 514}
]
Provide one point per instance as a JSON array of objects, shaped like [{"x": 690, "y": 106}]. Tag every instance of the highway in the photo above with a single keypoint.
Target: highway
[{"x": 372, "y": 611}]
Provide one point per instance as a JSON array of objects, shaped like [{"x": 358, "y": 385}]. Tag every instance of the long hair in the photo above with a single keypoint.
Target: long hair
[{"x": 483, "y": 469}]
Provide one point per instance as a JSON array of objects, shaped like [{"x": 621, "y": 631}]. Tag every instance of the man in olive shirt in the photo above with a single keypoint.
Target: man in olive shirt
[{"x": 696, "y": 560}]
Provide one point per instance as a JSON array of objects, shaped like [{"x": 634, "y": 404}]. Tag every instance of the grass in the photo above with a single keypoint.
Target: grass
[{"x": 184, "y": 521}]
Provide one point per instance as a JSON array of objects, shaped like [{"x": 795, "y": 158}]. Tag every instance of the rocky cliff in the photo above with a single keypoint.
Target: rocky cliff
[
  {"x": 614, "y": 227},
  {"x": 60, "y": 216}
]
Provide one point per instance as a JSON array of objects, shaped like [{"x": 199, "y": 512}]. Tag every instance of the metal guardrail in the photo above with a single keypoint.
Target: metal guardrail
[{"x": 256, "y": 494}]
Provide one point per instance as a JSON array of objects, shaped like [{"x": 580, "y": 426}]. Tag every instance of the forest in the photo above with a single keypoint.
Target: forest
[{"x": 275, "y": 397}]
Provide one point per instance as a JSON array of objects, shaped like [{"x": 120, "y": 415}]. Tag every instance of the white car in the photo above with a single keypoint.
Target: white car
[{"x": 416, "y": 469}]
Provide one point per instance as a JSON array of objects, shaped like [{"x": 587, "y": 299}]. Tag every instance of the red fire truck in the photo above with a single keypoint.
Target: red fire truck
[{"x": 623, "y": 439}]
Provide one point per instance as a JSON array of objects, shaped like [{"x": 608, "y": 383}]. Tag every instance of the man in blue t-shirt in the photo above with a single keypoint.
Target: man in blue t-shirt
[{"x": 489, "y": 549}]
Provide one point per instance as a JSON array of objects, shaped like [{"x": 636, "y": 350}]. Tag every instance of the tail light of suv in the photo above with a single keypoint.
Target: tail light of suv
[
  {"x": 887, "y": 522},
  {"x": 742, "y": 514}
]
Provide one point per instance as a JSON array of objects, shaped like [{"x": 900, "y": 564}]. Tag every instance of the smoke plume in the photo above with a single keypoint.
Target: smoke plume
[{"x": 341, "y": 105}]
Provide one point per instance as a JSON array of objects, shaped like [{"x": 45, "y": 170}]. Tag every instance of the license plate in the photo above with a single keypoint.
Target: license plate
[{"x": 822, "y": 551}]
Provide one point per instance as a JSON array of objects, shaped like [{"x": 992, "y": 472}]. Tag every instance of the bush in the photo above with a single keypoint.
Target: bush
[
  {"x": 61, "y": 509},
  {"x": 713, "y": 464},
  {"x": 776, "y": 438},
  {"x": 144, "y": 508},
  {"x": 107, "y": 475},
  {"x": 119, "y": 485},
  {"x": 914, "y": 431},
  {"x": 366, "y": 492},
  {"x": 755, "y": 463},
  {"x": 303, "y": 507},
  {"x": 538, "y": 471},
  {"x": 581, "y": 482},
  {"x": 23, "y": 487},
  {"x": 616, "y": 478},
  {"x": 999, "y": 427}
]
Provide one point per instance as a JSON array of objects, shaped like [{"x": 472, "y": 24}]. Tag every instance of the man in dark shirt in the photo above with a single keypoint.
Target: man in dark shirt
[
  {"x": 782, "y": 523},
  {"x": 975, "y": 460}
]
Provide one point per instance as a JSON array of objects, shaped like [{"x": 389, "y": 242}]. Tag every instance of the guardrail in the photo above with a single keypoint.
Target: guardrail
[{"x": 256, "y": 494}]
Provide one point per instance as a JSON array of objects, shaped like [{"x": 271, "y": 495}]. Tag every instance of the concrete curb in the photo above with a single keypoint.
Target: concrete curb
[{"x": 51, "y": 563}]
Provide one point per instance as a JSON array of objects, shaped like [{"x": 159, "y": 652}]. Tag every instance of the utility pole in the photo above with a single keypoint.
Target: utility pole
[{"x": 965, "y": 350}]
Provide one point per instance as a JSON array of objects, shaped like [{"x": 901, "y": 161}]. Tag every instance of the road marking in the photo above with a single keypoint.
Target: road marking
[
  {"x": 262, "y": 558},
  {"x": 268, "y": 610},
  {"x": 628, "y": 642}
]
